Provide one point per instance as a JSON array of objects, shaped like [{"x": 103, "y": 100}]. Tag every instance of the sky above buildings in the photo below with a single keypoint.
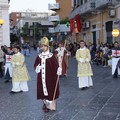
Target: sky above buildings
[{"x": 29, "y": 5}]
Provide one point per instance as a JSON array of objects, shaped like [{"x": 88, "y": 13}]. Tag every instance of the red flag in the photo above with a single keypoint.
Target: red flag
[
  {"x": 78, "y": 22},
  {"x": 71, "y": 25}
]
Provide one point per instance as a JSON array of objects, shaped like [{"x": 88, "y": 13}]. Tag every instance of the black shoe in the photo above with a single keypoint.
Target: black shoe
[
  {"x": 64, "y": 75},
  {"x": 86, "y": 87},
  {"x": 12, "y": 92},
  {"x": 6, "y": 81},
  {"x": 115, "y": 76},
  {"x": 46, "y": 110},
  {"x": 83, "y": 88},
  {"x": 44, "y": 107},
  {"x": 1, "y": 76}
]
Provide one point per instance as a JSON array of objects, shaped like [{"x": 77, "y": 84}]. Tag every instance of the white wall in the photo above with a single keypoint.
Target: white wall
[{"x": 5, "y": 29}]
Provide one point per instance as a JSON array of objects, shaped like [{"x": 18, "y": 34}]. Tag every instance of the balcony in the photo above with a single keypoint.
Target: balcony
[
  {"x": 99, "y": 4},
  {"x": 83, "y": 9},
  {"x": 87, "y": 7},
  {"x": 62, "y": 28},
  {"x": 54, "y": 6},
  {"x": 51, "y": 30},
  {"x": 91, "y": 6},
  {"x": 4, "y": 3},
  {"x": 54, "y": 18}
]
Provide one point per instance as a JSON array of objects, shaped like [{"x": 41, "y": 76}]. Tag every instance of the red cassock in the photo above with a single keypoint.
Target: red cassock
[{"x": 51, "y": 66}]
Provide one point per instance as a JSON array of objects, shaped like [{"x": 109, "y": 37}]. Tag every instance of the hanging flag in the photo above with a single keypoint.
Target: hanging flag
[
  {"x": 71, "y": 25},
  {"x": 78, "y": 22}
]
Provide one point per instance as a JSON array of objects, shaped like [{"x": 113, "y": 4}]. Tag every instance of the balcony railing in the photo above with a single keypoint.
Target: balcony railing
[
  {"x": 91, "y": 6},
  {"x": 54, "y": 18},
  {"x": 103, "y": 3},
  {"x": 83, "y": 9},
  {"x": 54, "y": 6},
  {"x": 87, "y": 7},
  {"x": 60, "y": 28},
  {"x": 51, "y": 30}
]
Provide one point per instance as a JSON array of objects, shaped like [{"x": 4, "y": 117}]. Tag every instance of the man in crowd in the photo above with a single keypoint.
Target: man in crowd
[
  {"x": 115, "y": 60},
  {"x": 61, "y": 55}
]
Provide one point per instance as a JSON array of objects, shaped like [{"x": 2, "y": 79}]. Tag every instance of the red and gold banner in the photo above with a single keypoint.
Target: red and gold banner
[
  {"x": 78, "y": 23},
  {"x": 71, "y": 25},
  {"x": 75, "y": 23}
]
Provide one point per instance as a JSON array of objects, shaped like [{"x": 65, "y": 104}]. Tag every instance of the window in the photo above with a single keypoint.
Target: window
[
  {"x": 26, "y": 23},
  {"x": 17, "y": 20},
  {"x": 93, "y": 26},
  {"x": 74, "y": 3},
  {"x": 81, "y": 2},
  {"x": 78, "y": 2},
  {"x": 34, "y": 23},
  {"x": 17, "y": 15}
]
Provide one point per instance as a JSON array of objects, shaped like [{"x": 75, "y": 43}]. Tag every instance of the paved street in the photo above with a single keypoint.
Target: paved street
[{"x": 100, "y": 102}]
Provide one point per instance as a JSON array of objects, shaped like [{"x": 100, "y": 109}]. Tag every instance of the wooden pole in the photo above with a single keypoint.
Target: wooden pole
[{"x": 58, "y": 77}]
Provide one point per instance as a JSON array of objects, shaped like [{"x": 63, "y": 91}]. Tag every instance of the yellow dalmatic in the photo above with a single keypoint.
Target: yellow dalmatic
[
  {"x": 84, "y": 72},
  {"x": 84, "y": 68},
  {"x": 20, "y": 72}
]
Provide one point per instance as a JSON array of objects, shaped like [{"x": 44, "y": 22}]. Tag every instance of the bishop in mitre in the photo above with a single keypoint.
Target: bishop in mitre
[{"x": 48, "y": 70}]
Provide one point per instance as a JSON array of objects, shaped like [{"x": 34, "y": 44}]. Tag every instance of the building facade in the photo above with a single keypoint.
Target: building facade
[
  {"x": 32, "y": 26},
  {"x": 4, "y": 29},
  {"x": 15, "y": 17},
  {"x": 62, "y": 10},
  {"x": 97, "y": 19}
]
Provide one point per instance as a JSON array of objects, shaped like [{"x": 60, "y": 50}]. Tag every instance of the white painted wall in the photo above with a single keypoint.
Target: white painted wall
[{"x": 5, "y": 29}]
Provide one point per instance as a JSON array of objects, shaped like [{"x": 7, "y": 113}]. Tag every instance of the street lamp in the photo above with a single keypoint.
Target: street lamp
[
  {"x": 115, "y": 33},
  {"x": 1, "y": 22}
]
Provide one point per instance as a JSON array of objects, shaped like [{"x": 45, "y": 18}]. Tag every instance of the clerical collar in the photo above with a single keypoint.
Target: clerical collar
[
  {"x": 17, "y": 53},
  {"x": 83, "y": 48},
  {"x": 46, "y": 53}
]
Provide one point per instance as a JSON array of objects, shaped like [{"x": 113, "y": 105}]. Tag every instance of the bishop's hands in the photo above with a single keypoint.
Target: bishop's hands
[
  {"x": 38, "y": 68},
  {"x": 87, "y": 60},
  {"x": 59, "y": 71},
  {"x": 14, "y": 64},
  {"x": 82, "y": 60}
]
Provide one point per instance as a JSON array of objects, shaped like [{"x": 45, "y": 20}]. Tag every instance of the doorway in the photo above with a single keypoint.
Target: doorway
[
  {"x": 109, "y": 28},
  {"x": 94, "y": 38}
]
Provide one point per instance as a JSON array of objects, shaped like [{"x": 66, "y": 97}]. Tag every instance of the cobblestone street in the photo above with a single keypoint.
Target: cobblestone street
[{"x": 100, "y": 102}]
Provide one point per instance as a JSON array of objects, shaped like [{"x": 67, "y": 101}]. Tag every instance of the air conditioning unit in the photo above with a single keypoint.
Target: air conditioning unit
[
  {"x": 87, "y": 24},
  {"x": 112, "y": 12},
  {"x": 83, "y": 25},
  {"x": 92, "y": 4}
]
